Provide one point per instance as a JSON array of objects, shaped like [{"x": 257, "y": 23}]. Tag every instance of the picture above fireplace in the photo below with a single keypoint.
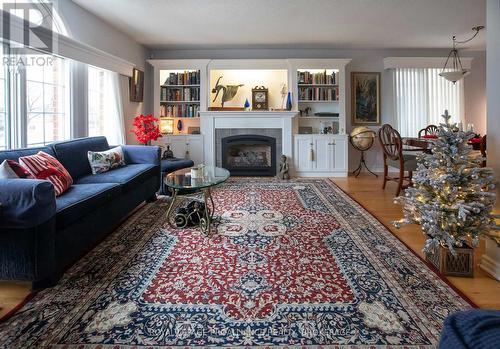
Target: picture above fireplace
[{"x": 249, "y": 155}]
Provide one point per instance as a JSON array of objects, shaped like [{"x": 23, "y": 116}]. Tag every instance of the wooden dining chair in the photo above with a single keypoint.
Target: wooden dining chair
[
  {"x": 482, "y": 148},
  {"x": 392, "y": 146},
  {"x": 429, "y": 130}
]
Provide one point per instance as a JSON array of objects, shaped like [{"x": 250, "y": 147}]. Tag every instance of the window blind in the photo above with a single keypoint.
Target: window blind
[{"x": 421, "y": 96}]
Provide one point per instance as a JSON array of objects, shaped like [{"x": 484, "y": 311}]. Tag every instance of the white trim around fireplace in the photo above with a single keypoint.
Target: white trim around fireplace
[{"x": 212, "y": 120}]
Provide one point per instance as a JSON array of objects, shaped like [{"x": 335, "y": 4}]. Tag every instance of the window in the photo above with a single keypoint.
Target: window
[
  {"x": 105, "y": 113},
  {"x": 96, "y": 100},
  {"x": 421, "y": 96},
  {"x": 47, "y": 101},
  {"x": 3, "y": 102}
]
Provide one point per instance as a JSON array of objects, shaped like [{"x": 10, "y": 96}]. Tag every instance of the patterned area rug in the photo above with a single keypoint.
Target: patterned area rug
[{"x": 295, "y": 263}]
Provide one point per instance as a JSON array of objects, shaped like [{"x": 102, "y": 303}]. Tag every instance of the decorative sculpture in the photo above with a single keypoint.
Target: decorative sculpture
[
  {"x": 283, "y": 92},
  {"x": 283, "y": 174},
  {"x": 167, "y": 153},
  {"x": 228, "y": 92}
]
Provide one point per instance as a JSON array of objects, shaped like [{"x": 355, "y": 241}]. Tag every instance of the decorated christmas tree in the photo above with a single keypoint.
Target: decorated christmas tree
[{"x": 452, "y": 196}]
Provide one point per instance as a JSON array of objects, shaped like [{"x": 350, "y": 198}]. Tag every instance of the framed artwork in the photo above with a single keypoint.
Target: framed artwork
[
  {"x": 365, "y": 98},
  {"x": 136, "y": 85}
]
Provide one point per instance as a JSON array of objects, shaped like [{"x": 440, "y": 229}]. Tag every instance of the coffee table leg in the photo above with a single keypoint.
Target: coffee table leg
[
  {"x": 169, "y": 211},
  {"x": 206, "y": 220}
]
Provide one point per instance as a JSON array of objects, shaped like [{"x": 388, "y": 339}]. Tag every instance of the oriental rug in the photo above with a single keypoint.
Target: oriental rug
[{"x": 292, "y": 264}]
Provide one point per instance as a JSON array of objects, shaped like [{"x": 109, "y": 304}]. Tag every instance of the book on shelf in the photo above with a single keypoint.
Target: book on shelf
[
  {"x": 180, "y": 110},
  {"x": 185, "y": 78},
  {"x": 318, "y": 94},
  {"x": 180, "y": 94},
  {"x": 305, "y": 77}
]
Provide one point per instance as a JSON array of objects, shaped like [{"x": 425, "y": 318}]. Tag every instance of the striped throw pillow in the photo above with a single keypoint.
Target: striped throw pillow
[{"x": 45, "y": 166}]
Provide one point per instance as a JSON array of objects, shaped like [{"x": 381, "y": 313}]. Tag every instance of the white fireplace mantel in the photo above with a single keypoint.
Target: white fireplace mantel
[{"x": 212, "y": 120}]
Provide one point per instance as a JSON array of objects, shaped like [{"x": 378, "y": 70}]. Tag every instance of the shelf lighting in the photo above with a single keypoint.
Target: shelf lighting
[{"x": 167, "y": 126}]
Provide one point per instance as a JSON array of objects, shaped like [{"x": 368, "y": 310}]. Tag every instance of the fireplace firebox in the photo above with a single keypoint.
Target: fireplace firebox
[{"x": 249, "y": 155}]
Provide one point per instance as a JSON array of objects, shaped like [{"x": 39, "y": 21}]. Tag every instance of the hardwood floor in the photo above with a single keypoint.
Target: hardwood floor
[{"x": 366, "y": 189}]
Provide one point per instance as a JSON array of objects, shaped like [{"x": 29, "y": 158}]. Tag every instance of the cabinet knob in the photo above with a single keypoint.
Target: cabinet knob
[{"x": 311, "y": 144}]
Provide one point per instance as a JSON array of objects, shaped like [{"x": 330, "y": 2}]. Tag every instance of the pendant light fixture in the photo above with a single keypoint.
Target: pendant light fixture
[{"x": 458, "y": 72}]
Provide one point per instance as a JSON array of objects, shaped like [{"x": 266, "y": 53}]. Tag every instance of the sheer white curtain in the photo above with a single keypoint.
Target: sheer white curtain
[
  {"x": 421, "y": 96},
  {"x": 105, "y": 105},
  {"x": 114, "y": 124}
]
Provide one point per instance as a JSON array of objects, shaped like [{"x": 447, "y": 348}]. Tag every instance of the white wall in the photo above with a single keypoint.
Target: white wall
[
  {"x": 493, "y": 83},
  {"x": 362, "y": 60},
  {"x": 91, "y": 30}
]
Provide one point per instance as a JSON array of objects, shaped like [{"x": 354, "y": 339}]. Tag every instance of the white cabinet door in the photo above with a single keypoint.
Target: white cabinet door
[
  {"x": 302, "y": 149},
  {"x": 195, "y": 146},
  {"x": 340, "y": 154},
  {"x": 323, "y": 153},
  {"x": 178, "y": 146}
]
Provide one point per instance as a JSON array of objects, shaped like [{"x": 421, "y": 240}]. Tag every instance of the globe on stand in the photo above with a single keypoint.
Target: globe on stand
[{"x": 362, "y": 138}]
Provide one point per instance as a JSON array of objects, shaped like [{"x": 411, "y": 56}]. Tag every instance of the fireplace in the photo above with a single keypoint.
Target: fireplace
[{"x": 249, "y": 155}]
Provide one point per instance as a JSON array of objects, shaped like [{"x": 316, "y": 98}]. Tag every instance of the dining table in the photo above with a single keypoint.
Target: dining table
[{"x": 417, "y": 144}]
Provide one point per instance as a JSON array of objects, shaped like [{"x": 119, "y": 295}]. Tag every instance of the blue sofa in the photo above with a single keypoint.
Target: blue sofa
[{"x": 42, "y": 235}]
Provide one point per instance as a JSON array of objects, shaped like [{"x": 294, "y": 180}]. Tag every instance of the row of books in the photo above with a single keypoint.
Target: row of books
[
  {"x": 305, "y": 77},
  {"x": 180, "y": 110},
  {"x": 186, "y": 78},
  {"x": 318, "y": 94},
  {"x": 180, "y": 94}
]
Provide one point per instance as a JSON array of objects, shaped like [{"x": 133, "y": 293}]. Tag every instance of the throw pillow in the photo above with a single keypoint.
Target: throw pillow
[
  {"x": 11, "y": 169},
  {"x": 45, "y": 166},
  {"x": 103, "y": 161}
]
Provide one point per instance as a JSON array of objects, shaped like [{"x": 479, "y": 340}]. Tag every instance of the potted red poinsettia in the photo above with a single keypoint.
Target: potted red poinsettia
[{"x": 146, "y": 129}]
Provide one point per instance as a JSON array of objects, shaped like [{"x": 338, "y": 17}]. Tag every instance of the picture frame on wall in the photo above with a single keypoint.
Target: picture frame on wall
[
  {"x": 136, "y": 86},
  {"x": 365, "y": 98}
]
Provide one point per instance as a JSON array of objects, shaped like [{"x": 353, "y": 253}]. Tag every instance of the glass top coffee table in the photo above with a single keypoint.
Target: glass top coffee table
[{"x": 201, "y": 213}]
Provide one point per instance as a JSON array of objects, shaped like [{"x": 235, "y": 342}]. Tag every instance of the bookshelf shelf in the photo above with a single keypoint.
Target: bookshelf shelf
[
  {"x": 179, "y": 86},
  {"x": 318, "y": 85},
  {"x": 181, "y": 102},
  {"x": 317, "y": 101},
  {"x": 319, "y": 117}
]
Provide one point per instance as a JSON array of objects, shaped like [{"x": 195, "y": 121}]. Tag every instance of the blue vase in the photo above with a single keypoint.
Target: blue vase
[
  {"x": 247, "y": 104},
  {"x": 289, "y": 101},
  {"x": 179, "y": 125}
]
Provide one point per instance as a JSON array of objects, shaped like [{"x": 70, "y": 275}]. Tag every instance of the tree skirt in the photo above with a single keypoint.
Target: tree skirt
[{"x": 294, "y": 263}]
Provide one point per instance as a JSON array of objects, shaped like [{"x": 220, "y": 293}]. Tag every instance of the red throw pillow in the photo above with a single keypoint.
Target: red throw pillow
[
  {"x": 475, "y": 140},
  {"x": 19, "y": 170},
  {"x": 44, "y": 166},
  {"x": 430, "y": 136}
]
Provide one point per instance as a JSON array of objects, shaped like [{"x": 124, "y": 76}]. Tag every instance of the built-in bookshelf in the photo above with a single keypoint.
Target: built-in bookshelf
[
  {"x": 180, "y": 94},
  {"x": 318, "y": 86},
  {"x": 318, "y": 97}
]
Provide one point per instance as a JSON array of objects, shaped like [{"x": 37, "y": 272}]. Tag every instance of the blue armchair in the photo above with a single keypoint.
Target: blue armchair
[{"x": 42, "y": 235}]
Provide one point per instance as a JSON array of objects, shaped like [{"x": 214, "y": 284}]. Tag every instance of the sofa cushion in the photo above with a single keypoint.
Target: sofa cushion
[
  {"x": 73, "y": 154},
  {"x": 128, "y": 176},
  {"x": 174, "y": 164},
  {"x": 81, "y": 199},
  {"x": 45, "y": 166},
  {"x": 15, "y": 154},
  {"x": 103, "y": 161},
  {"x": 20, "y": 171}
]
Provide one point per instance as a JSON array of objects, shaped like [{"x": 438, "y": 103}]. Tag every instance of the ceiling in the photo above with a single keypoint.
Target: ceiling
[{"x": 346, "y": 24}]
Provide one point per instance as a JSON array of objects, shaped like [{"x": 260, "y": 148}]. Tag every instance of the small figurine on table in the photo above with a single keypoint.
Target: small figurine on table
[
  {"x": 167, "y": 154},
  {"x": 283, "y": 174}
]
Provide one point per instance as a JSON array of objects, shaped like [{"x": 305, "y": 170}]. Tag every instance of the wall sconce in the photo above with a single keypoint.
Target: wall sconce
[{"x": 167, "y": 126}]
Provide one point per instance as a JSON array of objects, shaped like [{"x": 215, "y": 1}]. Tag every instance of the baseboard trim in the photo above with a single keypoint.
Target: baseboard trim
[
  {"x": 490, "y": 266},
  {"x": 321, "y": 174}
]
